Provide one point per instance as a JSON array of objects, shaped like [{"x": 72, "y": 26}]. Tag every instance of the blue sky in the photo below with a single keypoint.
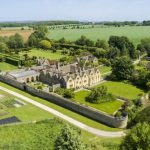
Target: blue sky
[{"x": 83, "y": 10}]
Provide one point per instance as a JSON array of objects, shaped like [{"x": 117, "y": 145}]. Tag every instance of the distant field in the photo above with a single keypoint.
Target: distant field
[
  {"x": 135, "y": 33},
  {"x": 8, "y": 32},
  {"x": 42, "y": 53}
]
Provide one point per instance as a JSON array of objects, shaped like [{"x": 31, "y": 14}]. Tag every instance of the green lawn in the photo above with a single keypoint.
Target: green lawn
[
  {"x": 42, "y": 53},
  {"x": 25, "y": 113},
  {"x": 134, "y": 33},
  {"x": 122, "y": 89},
  {"x": 6, "y": 67},
  {"x": 104, "y": 69},
  {"x": 108, "y": 107},
  {"x": 74, "y": 115}
]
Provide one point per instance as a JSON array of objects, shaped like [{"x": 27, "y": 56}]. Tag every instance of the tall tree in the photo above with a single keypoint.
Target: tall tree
[
  {"x": 123, "y": 44},
  {"x": 122, "y": 68},
  {"x": 69, "y": 139},
  {"x": 101, "y": 44},
  {"x": 16, "y": 41},
  {"x": 138, "y": 138},
  {"x": 3, "y": 47}
]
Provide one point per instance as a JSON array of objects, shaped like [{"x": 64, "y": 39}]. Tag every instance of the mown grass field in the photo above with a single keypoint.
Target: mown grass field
[
  {"x": 8, "y": 32},
  {"x": 25, "y": 113},
  {"x": 134, "y": 33},
  {"x": 6, "y": 66},
  {"x": 122, "y": 89},
  {"x": 108, "y": 107},
  {"x": 43, "y": 53},
  {"x": 67, "y": 112}
]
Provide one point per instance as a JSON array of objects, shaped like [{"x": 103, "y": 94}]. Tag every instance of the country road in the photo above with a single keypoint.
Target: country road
[{"x": 81, "y": 125}]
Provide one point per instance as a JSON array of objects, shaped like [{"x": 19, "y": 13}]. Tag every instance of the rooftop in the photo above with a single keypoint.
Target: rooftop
[{"x": 23, "y": 73}]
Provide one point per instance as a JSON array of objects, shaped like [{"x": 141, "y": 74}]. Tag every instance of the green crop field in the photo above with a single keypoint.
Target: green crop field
[
  {"x": 108, "y": 107},
  {"x": 42, "y": 53},
  {"x": 122, "y": 89},
  {"x": 134, "y": 33}
]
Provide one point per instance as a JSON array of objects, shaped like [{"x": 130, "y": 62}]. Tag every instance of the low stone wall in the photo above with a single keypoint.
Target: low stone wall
[
  {"x": 12, "y": 82},
  {"x": 81, "y": 109}
]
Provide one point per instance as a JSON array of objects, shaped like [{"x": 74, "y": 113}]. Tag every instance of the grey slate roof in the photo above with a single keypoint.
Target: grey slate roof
[{"x": 24, "y": 73}]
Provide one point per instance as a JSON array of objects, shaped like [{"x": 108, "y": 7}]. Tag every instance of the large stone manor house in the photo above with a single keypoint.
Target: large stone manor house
[{"x": 56, "y": 75}]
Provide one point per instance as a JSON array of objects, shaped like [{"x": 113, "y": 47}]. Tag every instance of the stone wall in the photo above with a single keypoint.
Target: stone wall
[
  {"x": 81, "y": 109},
  {"x": 12, "y": 82}
]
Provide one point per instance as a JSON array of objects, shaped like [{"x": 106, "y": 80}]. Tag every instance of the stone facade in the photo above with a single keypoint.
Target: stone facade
[
  {"x": 25, "y": 76},
  {"x": 67, "y": 76}
]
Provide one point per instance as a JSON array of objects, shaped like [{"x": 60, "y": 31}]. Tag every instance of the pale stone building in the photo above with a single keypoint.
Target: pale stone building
[
  {"x": 25, "y": 76},
  {"x": 66, "y": 76}
]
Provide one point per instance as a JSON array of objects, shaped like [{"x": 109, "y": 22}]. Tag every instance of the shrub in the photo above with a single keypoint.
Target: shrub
[
  {"x": 45, "y": 44},
  {"x": 39, "y": 87},
  {"x": 100, "y": 95},
  {"x": 69, "y": 139}
]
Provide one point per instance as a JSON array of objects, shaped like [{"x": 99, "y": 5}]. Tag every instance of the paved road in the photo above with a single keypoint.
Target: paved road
[{"x": 81, "y": 125}]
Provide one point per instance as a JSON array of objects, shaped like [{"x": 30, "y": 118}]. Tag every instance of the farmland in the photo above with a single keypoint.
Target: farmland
[
  {"x": 134, "y": 33},
  {"x": 11, "y": 31}
]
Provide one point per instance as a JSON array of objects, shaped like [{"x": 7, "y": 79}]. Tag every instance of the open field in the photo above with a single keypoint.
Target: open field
[
  {"x": 8, "y": 32},
  {"x": 122, "y": 89},
  {"x": 67, "y": 112},
  {"x": 42, "y": 135},
  {"x": 108, "y": 107},
  {"x": 6, "y": 66},
  {"x": 22, "y": 110},
  {"x": 134, "y": 33},
  {"x": 41, "y": 53}
]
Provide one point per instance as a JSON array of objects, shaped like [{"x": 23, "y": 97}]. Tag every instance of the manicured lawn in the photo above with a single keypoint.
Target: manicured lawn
[
  {"x": 134, "y": 33},
  {"x": 42, "y": 53},
  {"x": 25, "y": 113},
  {"x": 108, "y": 107},
  {"x": 122, "y": 89},
  {"x": 104, "y": 69},
  {"x": 5, "y": 66},
  {"x": 67, "y": 112}
]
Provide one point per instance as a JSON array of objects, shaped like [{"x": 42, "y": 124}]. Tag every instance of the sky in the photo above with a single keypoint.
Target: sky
[{"x": 81, "y": 10}]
